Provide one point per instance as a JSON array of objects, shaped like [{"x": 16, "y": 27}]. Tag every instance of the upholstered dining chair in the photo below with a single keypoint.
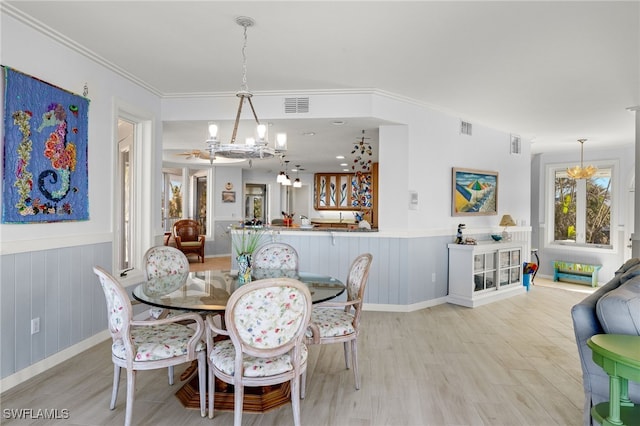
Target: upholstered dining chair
[
  {"x": 186, "y": 233},
  {"x": 275, "y": 256},
  {"x": 161, "y": 261},
  {"x": 265, "y": 321},
  {"x": 339, "y": 322},
  {"x": 148, "y": 344}
]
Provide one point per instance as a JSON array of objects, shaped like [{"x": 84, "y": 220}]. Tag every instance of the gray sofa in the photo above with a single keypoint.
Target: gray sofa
[{"x": 614, "y": 308}]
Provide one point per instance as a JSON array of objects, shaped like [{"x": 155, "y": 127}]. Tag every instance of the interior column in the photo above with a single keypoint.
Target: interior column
[{"x": 635, "y": 237}]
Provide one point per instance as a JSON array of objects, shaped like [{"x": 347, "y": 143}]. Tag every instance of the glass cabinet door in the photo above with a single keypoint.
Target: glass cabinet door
[
  {"x": 484, "y": 271},
  {"x": 509, "y": 268}
]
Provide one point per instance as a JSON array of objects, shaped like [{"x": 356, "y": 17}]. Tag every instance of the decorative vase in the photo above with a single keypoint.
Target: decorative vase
[{"x": 244, "y": 268}]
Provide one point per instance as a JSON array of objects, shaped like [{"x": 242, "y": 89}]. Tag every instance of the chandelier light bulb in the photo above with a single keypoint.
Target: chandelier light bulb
[
  {"x": 262, "y": 132},
  {"x": 213, "y": 131},
  {"x": 281, "y": 142}
]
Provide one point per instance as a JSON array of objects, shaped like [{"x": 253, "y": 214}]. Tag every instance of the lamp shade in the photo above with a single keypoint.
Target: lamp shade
[{"x": 507, "y": 220}]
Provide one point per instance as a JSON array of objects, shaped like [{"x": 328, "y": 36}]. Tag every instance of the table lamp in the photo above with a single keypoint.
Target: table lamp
[{"x": 507, "y": 221}]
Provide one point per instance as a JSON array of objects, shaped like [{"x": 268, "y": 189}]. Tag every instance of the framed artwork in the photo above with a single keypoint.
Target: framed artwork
[
  {"x": 475, "y": 192},
  {"x": 45, "y": 152},
  {"x": 228, "y": 196}
]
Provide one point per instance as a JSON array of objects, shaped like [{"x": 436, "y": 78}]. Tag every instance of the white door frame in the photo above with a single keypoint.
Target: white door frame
[{"x": 141, "y": 160}]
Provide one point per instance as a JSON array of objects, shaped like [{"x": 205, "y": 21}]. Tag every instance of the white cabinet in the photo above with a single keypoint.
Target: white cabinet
[{"x": 485, "y": 272}]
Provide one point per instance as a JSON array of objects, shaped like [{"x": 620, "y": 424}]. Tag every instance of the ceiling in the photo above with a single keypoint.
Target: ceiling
[{"x": 551, "y": 72}]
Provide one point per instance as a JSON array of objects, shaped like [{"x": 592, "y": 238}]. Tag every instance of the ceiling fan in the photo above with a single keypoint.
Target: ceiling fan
[{"x": 195, "y": 154}]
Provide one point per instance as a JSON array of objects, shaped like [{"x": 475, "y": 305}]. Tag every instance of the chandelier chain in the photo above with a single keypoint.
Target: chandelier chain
[{"x": 244, "y": 86}]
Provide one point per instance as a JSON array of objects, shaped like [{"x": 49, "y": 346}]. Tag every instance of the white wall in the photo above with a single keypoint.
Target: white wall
[
  {"x": 622, "y": 180},
  {"x": 417, "y": 154},
  {"x": 46, "y": 269},
  {"x": 36, "y": 54}
]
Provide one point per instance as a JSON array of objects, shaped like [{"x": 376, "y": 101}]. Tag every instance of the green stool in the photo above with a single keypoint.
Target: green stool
[{"x": 619, "y": 356}]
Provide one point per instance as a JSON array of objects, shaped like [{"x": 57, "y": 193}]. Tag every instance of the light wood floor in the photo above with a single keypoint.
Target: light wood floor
[{"x": 512, "y": 362}]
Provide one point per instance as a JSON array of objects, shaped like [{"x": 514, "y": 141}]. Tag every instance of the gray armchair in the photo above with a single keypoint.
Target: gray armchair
[{"x": 586, "y": 323}]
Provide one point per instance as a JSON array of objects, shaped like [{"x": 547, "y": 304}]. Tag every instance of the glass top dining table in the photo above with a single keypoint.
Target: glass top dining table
[{"x": 210, "y": 290}]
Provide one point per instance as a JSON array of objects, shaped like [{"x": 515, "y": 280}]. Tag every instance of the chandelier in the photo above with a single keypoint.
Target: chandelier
[
  {"x": 581, "y": 172},
  {"x": 360, "y": 149},
  {"x": 254, "y": 147}
]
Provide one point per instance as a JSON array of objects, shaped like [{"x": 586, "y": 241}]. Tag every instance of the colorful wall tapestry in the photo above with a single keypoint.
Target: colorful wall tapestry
[{"x": 45, "y": 152}]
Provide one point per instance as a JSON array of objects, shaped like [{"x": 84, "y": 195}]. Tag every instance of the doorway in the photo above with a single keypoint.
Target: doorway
[
  {"x": 125, "y": 146},
  {"x": 256, "y": 203}
]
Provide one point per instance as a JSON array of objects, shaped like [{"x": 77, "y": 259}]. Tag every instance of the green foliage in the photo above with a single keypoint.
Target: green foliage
[
  {"x": 598, "y": 210},
  {"x": 247, "y": 240},
  {"x": 175, "y": 203}
]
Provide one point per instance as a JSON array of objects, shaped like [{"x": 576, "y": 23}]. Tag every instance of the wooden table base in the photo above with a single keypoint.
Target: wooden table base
[{"x": 256, "y": 399}]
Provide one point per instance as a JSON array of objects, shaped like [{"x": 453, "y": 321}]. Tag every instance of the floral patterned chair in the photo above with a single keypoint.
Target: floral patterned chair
[
  {"x": 186, "y": 233},
  {"x": 172, "y": 265},
  {"x": 331, "y": 325},
  {"x": 266, "y": 321},
  {"x": 275, "y": 256},
  {"x": 148, "y": 344}
]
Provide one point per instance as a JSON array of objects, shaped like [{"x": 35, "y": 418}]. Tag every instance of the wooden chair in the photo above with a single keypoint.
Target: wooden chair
[
  {"x": 266, "y": 321},
  {"x": 148, "y": 344},
  {"x": 275, "y": 256},
  {"x": 186, "y": 233},
  {"x": 331, "y": 325}
]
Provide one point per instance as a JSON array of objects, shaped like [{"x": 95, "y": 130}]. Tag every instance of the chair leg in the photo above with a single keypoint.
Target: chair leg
[
  {"x": 170, "y": 372},
  {"x": 354, "y": 355},
  {"x": 347, "y": 358},
  {"x": 116, "y": 382},
  {"x": 202, "y": 385},
  {"x": 295, "y": 399},
  {"x": 303, "y": 384},
  {"x": 131, "y": 388},
  {"x": 212, "y": 390},
  {"x": 238, "y": 390}
]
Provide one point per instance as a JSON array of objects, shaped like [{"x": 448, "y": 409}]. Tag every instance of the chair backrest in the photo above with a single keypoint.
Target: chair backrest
[
  {"x": 187, "y": 229},
  {"x": 357, "y": 281},
  {"x": 119, "y": 311},
  {"x": 275, "y": 256},
  {"x": 268, "y": 317},
  {"x": 162, "y": 261}
]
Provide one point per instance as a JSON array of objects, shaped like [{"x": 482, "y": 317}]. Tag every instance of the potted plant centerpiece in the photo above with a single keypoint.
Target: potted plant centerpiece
[{"x": 245, "y": 241}]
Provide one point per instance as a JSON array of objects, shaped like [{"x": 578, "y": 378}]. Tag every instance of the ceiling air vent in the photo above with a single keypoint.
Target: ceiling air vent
[
  {"x": 466, "y": 128},
  {"x": 296, "y": 105}
]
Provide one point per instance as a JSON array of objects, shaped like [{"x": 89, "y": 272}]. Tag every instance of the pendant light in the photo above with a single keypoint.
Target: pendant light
[
  {"x": 581, "y": 172},
  {"x": 254, "y": 147},
  {"x": 297, "y": 183}
]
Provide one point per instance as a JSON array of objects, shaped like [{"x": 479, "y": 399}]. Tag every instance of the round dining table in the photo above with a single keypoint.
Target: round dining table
[{"x": 208, "y": 292}]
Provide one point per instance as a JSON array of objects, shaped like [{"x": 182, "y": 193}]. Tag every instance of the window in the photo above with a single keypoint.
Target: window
[{"x": 582, "y": 208}]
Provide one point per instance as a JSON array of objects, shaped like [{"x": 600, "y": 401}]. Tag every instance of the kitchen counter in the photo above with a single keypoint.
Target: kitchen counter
[
  {"x": 321, "y": 229},
  {"x": 333, "y": 221}
]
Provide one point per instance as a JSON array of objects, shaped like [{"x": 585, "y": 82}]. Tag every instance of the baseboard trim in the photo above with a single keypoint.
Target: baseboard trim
[
  {"x": 403, "y": 308},
  {"x": 33, "y": 370}
]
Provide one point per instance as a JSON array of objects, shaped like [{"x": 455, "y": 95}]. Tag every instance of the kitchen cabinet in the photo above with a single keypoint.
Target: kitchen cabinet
[
  {"x": 485, "y": 272},
  {"x": 343, "y": 191}
]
